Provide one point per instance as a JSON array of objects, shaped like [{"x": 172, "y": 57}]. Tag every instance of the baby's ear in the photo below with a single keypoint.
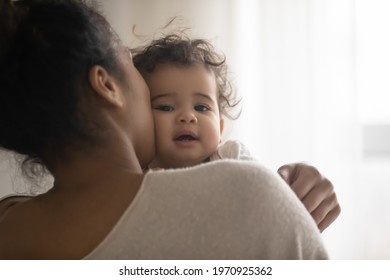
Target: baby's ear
[{"x": 105, "y": 86}]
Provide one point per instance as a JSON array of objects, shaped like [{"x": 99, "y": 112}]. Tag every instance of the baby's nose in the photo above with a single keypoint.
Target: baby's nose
[{"x": 187, "y": 117}]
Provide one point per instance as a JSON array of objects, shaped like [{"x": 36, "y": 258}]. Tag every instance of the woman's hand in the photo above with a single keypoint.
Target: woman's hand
[{"x": 314, "y": 190}]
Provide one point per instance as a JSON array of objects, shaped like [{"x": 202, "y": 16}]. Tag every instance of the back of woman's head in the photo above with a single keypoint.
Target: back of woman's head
[{"x": 47, "y": 48}]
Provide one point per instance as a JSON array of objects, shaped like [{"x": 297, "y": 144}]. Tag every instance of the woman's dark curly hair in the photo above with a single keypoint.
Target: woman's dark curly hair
[
  {"x": 47, "y": 48},
  {"x": 180, "y": 50}
]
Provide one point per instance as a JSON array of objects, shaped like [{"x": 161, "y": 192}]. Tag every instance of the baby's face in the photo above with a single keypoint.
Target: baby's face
[{"x": 186, "y": 114}]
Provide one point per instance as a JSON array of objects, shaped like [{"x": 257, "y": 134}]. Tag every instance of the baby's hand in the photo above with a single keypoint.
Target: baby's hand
[{"x": 314, "y": 190}]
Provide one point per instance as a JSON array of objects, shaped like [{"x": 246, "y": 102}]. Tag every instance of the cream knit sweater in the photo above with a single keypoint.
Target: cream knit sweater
[{"x": 224, "y": 209}]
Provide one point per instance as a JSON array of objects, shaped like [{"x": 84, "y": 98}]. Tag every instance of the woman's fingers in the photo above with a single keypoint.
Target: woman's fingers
[{"x": 314, "y": 190}]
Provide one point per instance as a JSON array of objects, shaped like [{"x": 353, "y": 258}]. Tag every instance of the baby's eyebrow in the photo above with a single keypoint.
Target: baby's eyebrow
[
  {"x": 161, "y": 95},
  {"x": 200, "y": 94},
  {"x": 174, "y": 94}
]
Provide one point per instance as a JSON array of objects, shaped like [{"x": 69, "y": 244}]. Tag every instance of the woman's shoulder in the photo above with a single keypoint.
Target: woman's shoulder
[
  {"x": 12, "y": 228},
  {"x": 226, "y": 172},
  {"x": 240, "y": 209},
  {"x": 246, "y": 181},
  {"x": 11, "y": 200},
  {"x": 224, "y": 166}
]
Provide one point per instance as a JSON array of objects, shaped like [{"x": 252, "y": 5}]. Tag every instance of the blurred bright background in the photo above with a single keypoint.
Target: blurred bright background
[{"x": 315, "y": 80}]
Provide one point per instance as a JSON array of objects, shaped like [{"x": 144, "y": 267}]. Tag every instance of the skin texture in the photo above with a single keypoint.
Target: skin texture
[{"x": 186, "y": 114}]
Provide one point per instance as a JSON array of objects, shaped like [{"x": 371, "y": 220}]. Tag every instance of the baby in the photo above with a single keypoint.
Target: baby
[{"x": 190, "y": 96}]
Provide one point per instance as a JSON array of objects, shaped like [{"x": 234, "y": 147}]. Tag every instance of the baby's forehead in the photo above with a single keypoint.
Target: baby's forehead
[
  {"x": 176, "y": 95},
  {"x": 193, "y": 80},
  {"x": 174, "y": 73},
  {"x": 182, "y": 66}
]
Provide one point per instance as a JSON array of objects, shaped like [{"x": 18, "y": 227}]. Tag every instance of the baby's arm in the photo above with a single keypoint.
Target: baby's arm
[{"x": 314, "y": 190}]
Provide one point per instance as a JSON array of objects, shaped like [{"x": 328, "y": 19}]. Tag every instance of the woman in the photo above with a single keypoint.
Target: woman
[{"x": 73, "y": 102}]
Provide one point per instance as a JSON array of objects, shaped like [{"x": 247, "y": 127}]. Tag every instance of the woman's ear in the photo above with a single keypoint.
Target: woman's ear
[{"x": 105, "y": 86}]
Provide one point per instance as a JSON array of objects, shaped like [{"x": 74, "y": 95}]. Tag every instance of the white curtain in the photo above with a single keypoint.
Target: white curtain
[{"x": 297, "y": 76}]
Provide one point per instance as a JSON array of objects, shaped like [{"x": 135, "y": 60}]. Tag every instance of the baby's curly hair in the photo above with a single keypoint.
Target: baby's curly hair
[{"x": 183, "y": 51}]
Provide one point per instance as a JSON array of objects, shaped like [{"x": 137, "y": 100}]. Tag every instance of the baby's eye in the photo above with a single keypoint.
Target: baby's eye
[
  {"x": 165, "y": 108},
  {"x": 201, "y": 108}
]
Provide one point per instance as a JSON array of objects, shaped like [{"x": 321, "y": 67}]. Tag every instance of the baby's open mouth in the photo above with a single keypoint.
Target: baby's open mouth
[{"x": 186, "y": 137}]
